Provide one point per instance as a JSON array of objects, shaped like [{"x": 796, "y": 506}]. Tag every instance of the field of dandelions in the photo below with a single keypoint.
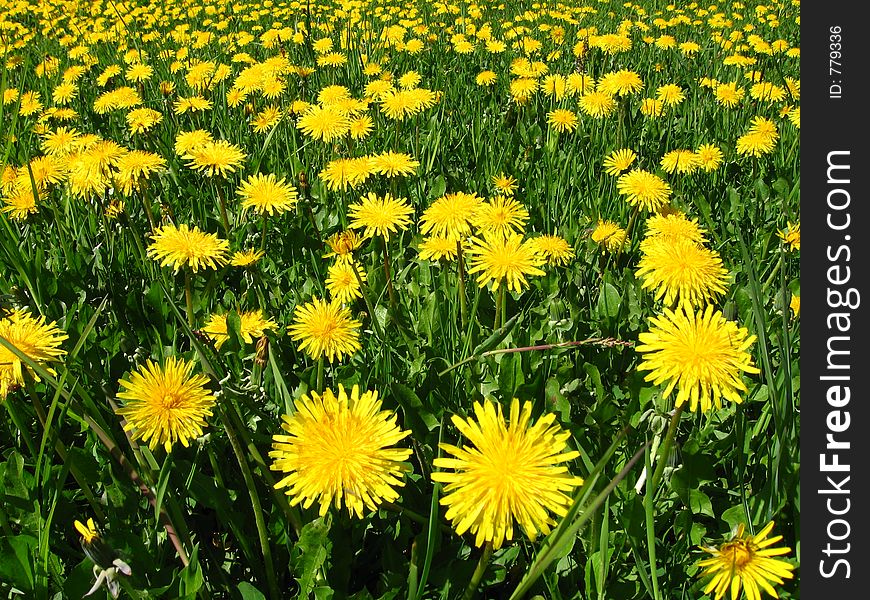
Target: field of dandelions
[{"x": 399, "y": 299}]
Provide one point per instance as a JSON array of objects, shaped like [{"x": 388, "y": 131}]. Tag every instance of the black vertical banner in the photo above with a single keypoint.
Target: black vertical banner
[{"x": 835, "y": 270}]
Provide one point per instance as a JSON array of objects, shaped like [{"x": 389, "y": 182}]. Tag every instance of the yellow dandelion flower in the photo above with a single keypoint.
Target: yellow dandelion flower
[
  {"x": 699, "y": 353},
  {"x": 325, "y": 329},
  {"x": 215, "y": 158},
  {"x": 246, "y": 258},
  {"x": 505, "y": 184},
  {"x": 746, "y": 561},
  {"x": 166, "y": 404},
  {"x": 791, "y": 235},
  {"x": 619, "y": 161},
  {"x": 181, "y": 246},
  {"x": 504, "y": 258},
  {"x": 500, "y": 214},
  {"x": 681, "y": 270},
  {"x": 680, "y": 161},
  {"x": 436, "y": 247},
  {"x": 597, "y": 104},
  {"x": 644, "y": 189},
  {"x": 609, "y": 235},
  {"x": 342, "y": 283},
  {"x": 392, "y": 163},
  {"x": 562, "y": 120},
  {"x": 380, "y": 215},
  {"x": 555, "y": 249},
  {"x": 323, "y": 123},
  {"x": 510, "y": 471},
  {"x": 342, "y": 245},
  {"x": 450, "y": 215},
  {"x": 33, "y": 337},
  {"x": 339, "y": 451},
  {"x": 252, "y": 326},
  {"x": 267, "y": 195}
]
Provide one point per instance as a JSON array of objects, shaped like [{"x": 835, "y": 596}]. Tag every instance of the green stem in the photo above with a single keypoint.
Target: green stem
[
  {"x": 649, "y": 498},
  {"x": 460, "y": 286},
  {"x": 482, "y": 564},
  {"x": 499, "y": 307},
  {"x": 255, "y": 504},
  {"x": 223, "y": 206},
  {"x": 263, "y": 239},
  {"x": 365, "y": 292},
  {"x": 388, "y": 274},
  {"x": 188, "y": 297},
  {"x": 320, "y": 367}
]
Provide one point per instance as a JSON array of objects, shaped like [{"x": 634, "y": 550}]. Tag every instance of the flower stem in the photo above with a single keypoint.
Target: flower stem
[
  {"x": 460, "y": 286},
  {"x": 223, "y": 206},
  {"x": 320, "y": 375},
  {"x": 365, "y": 292},
  {"x": 649, "y": 498},
  {"x": 482, "y": 564},
  {"x": 388, "y": 274},
  {"x": 263, "y": 238},
  {"x": 255, "y": 504},
  {"x": 188, "y": 297}
]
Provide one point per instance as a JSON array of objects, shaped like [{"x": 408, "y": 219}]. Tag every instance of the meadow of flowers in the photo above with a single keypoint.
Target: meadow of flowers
[{"x": 399, "y": 298}]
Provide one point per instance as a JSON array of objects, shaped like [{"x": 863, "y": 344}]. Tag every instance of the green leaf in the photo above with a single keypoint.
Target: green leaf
[
  {"x": 609, "y": 301},
  {"x": 496, "y": 337},
  {"x": 17, "y": 555},
  {"x": 310, "y": 553},
  {"x": 249, "y": 592},
  {"x": 190, "y": 579},
  {"x": 439, "y": 186}
]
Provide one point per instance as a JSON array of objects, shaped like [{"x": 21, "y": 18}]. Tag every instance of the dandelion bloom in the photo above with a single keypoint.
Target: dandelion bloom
[
  {"x": 795, "y": 305},
  {"x": 620, "y": 83},
  {"x": 709, "y": 157},
  {"x": 215, "y": 158},
  {"x": 343, "y": 173},
  {"x": 325, "y": 329},
  {"x": 33, "y": 337},
  {"x": 671, "y": 94},
  {"x": 509, "y": 472},
  {"x": 339, "y": 450},
  {"x": 562, "y": 120},
  {"x": 342, "y": 283},
  {"x": 555, "y": 249},
  {"x": 181, "y": 246},
  {"x": 500, "y": 214},
  {"x": 323, "y": 123},
  {"x": 436, "y": 247},
  {"x": 700, "y": 353},
  {"x": 505, "y": 184},
  {"x": 619, "y": 161},
  {"x": 245, "y": 258},
  {"x": 342, "y": 244},
  {"x": 252, "y": 325},
  {"x": 186, "y": 141},
  {"x": 143, "y": 119},
  {"x": 267, "y": 195},
  {"x": 791, "y": 235},
  {"x": 392, "y": 163},
  {"x": 504, "y": 258},
  {"x": 450, "y": 215},
  {"x": 134, "y": 169},
  {"x": 672, "y": 227},
  {"x": 681, "y": 271},
  {"x": 380, "y": 216},
  {"x": 644, "y": 189},
  {"x": 597, "y": 104},
  {"x": 680, "y": 161},
  {"x": 746, "y": 561},
  {"x": 609, "y": 235},
  {"x": 166, "y": 404}
]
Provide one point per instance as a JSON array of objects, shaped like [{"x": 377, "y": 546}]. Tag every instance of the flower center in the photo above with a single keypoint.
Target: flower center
[
  {"x": 169, "y": 401},
  {"x": 738, "y": 553}
]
